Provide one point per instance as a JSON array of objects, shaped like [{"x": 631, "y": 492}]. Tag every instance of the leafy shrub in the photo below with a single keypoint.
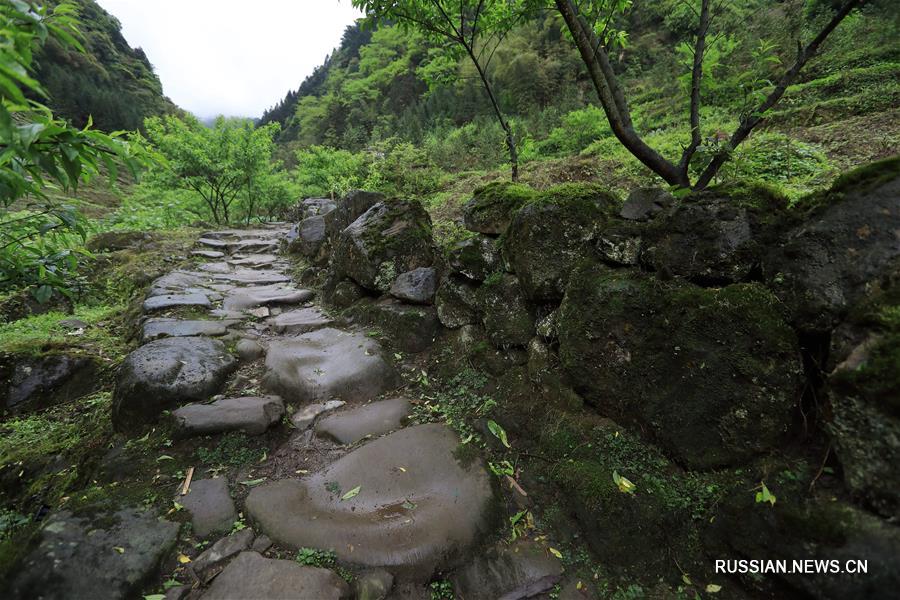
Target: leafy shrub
[{"x": 326, "y": 171}]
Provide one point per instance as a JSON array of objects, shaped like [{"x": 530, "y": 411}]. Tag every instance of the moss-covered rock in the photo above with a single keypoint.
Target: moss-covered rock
[
  {"x": 390, "y": 238},
  {"x": 31, "y": 382},
  {"x": 864, "y": 397},
  {"x": 506, "y": 315},
  {"x": 492, "y": 206},
  {"x": 411, "y": 328},
  {"x": 347, "y": 210},
  {"x": 711, "y": 374},
  {"x": 475, "y": 257},
  {"x": 548, "y": 236},
  {"x": 456, "y": 303},
  {"x": 718, "y": 235},
  {"x": 847, "y": 242},
  {"x": 804, "y": 526}
]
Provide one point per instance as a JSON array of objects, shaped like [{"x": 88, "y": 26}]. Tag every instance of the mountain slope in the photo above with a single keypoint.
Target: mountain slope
[{"x": 112, "y": 82}]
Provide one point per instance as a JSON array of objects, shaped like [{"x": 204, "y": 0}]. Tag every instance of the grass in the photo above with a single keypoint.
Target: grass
[{"x": 38, "y": 334}]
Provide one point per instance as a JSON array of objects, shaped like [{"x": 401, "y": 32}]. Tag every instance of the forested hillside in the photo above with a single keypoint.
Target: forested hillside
[
  {"x": 389, "y": 85},
  {"x": 521, "y": 299},
  {"x": 111, "y": 81}
]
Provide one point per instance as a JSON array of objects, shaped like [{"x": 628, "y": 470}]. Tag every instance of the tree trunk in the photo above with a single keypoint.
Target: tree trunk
[{"x": 510, "y": 140}]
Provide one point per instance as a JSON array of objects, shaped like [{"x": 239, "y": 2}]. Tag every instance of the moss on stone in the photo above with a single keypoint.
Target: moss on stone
[
  {"x": 751, "y": 195},
  {"x": 492, "y": 206},
  {"x": 582, "y": 194}
]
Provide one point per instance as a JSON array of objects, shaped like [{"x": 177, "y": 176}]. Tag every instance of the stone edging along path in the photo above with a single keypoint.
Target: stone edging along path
[{"x": 394, "y": 505}]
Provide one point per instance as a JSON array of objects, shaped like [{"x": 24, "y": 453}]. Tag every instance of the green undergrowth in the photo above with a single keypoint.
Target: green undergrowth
[
  {"x": 102, "y": 337},
  {"x": 231, "y": 449}
]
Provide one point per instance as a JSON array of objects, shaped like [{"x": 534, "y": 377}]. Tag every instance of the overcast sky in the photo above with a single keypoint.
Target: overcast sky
[{"x": 232, "y": 57}]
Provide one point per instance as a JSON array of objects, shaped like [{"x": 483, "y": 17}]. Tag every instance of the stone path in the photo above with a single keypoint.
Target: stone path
[{"x": 389, "y": 499}]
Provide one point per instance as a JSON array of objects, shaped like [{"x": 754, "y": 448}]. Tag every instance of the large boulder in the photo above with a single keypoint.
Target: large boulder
[
  {"x": 718, "y": 235},
  {"x": 456, "y": 303},
  {"x": 390, "y": 238},
  {"x": 711, "y": 374},
  {"x": 863, "y": 393},
  {"x": 33, "y": 382},
  {"x": 506, "y": 315},
  {"x": 847, "y": 242},
  {"x": 645, "y": 203},
  {"x": 311, "y": 237},
  {"x": 97, "y": 555},
  {"x": 408, "y": 327},
  {"x": 348, "y": 209},
  {"x": 415, "y": 509},
  {"x": 476, "y": 257},
  {"x": 327, "y": 364},
  {"x": 492, "y": 206},
  {"x": 547, "y": 237},
  {"x": 166, "y": 373}
]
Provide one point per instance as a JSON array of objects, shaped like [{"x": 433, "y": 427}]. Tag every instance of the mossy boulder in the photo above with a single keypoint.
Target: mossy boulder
[
  {"x": 864, "y": 397},
  {"x": 475, "y": 258},
  {"x": 803, "y": 526},
  {"x": 847, "y": 242},
  {"x": 456, "y": 303},
  {"x": 348, "y": 209},
  {"x": 548, "y": 236},
  {"x": 111, "y": 241},
  {"x": 492, "y": 206},
  {"x": 506, "y": 315},
  {"x": 411, "y": 328},
  {"x": 718, "y": 235},
  {"x": 390, "y": 238},
  {"x": 710, "y": 374},
  {"x": 32, "y": 382}
]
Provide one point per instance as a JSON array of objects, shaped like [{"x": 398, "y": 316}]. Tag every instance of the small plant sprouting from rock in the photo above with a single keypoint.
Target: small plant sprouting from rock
[
  {"x": 312, "y": 557},
  {"x": 441, "y": 590}
]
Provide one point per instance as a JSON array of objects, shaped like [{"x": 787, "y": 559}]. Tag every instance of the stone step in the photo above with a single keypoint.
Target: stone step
[
  {"x": 372, "y": 419},
  {"x": 402, "y": 502},
  {"x": 302, "y": 320},
  {"x": 160, "y": 327},
  {"x": 252, "y": 415},
  {"x": 252, "y": 576}
]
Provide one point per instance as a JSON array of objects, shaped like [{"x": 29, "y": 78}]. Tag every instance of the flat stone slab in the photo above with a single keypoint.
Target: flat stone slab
[
  {"x": 328, "y": 364},
  {"x": 372, "y": 419},
  {"x": 244, "y": 245},
  {"x": 302, "y": 320},
  {"x": 159, "y": 328},
  {"x": 252, "y": 415},
  {"x": 252, "y": 576},
  {"x": 208, "y": 253},
  {"x": 520, "y": 570},
  {"x": 165, "y": 373},
  {"x": 215, "y": 267},
  {"x": 212, "y": 243},
  {"x": 254, "y": 261},
  {"x": 304, "y": 417},
  {"x": 176, "y": 282},
  {"x": 416, "y": 510},
  {"x": 77, "y": 557},
  {"x": 207, "y": 564},
  {"x": 252, "y": 276},
  {"x": 242, "y": 299},
  {"x": 211, "y": 507},
  {"x": 172, "y": 300}
]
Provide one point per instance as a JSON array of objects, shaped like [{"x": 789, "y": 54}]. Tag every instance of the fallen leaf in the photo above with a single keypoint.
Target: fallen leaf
[
  {"x": 555, "y": 553},
  {"x": 713, "y": 588},
  {"x": 625, "y": 485},
  {"x": 351, "y": 494},
  {"x": 183, "y": 559},
  {"x": 408, "y": 505},
  {"x": 498, "y": 432},
  {"x": 687, "y": 580},
  {"x": 119, "y": 549},
  {"x": 402, "y": 469},
  {"x": 253, "y": 482},
  {"x": 155, "y": 597},
  {"x": 164, "y": 457}
]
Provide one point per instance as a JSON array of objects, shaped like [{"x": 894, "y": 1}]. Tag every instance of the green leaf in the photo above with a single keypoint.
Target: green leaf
[
  {"x": 253, "y": 482},
  {"x": 351, "y": 494},
  {"x": 764, "y": 495},
  {"x": 624, "y": 484},
  {"x": 498, "y": 432}
]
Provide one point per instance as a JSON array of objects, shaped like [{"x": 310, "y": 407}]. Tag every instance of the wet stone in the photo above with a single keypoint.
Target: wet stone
[
  {"x": 205, "y": 565},
  {"x": 520, "y": 570},
  {"x": 304, "y": 417},
  {"x": 211, "y": 507},
  {"x": 252, "y": 415},
  {"x": 159, "y": 328},
  {"x": 417, "y": 510},
  {"x": 253, "y": 276},
  {"x": 208, "y": 253},
  {"x": 372, "y": 419},
  {"x": 252, "y": 576},
  {"x": 77, "y": 557},
  {"x": 243, "y": 299},
  {"x": 327, "y": 364},
  {"x": 302, "y": 320},
  {"x": 172, "y": 300}
]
